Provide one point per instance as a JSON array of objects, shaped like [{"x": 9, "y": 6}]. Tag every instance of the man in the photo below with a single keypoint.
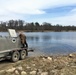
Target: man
[{"x": 23, "y": 40}]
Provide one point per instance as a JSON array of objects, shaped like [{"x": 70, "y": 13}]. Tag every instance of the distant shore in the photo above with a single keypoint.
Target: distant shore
[{"x": 41, "y": 31}]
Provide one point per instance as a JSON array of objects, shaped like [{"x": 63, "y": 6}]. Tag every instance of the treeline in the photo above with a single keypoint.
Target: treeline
[{"x": 22, "y": 25}]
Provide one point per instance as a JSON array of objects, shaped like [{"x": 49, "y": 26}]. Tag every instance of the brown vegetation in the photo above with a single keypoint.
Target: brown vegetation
[{"x": 31, "y": 27}]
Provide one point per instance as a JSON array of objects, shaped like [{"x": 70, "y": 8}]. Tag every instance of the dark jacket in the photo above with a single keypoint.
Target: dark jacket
[{"x": 23, "y": 38}]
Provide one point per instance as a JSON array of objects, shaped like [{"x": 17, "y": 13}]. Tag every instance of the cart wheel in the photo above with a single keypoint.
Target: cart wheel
[
  {"x": 22, "y": 54},
  {"x": 15, "y": 56}
]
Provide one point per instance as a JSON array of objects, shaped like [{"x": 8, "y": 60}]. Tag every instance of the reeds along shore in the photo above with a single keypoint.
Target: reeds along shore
[{"x": 42, "y": 65}]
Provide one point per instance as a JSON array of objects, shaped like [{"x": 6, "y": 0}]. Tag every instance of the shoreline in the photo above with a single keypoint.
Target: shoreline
[
  {"x": 41, "y": 65},
  {"x": 43, "y": 31}
]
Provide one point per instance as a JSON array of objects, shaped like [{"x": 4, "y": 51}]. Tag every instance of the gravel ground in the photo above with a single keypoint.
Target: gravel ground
[{"x": 42, "y": 65}]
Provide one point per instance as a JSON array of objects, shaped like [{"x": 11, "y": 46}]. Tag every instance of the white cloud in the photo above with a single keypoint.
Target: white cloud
[
  {"x": 73, "y": 11},
  {"x": 17, "y": 9},
  {"x": 65, "y": 20},
  {"x": 33, "y": 6},
  {"x": 68, "y": 19}
]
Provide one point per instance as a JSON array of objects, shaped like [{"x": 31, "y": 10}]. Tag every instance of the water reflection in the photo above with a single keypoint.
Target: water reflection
[
  {"x": 33, "y": 38},
  {"x": 46, "y": 38},
  {"x": 46, "y": 43},
  {"x": 52, "y": 42}
]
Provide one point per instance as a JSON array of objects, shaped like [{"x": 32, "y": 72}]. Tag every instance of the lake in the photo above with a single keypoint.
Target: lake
[{"x": 50, "y": 43}]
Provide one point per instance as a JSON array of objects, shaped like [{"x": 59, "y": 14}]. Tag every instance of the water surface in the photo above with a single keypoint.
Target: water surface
[{"x": 50, "y": 43}]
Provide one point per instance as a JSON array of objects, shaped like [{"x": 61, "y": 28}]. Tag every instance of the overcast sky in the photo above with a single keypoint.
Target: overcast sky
[{"x": 52, "y": 11}]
